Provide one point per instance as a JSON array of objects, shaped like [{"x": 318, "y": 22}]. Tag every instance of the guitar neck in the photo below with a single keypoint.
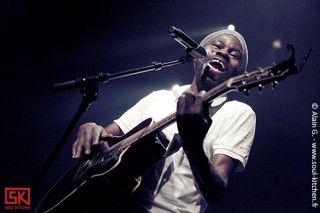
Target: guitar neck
[{"x": 155, "y": 127}]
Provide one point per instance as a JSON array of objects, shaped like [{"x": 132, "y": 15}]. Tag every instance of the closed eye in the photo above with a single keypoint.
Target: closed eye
[
  {"x": 235, "y": 55},
  {"x": 217, "y": 46}
]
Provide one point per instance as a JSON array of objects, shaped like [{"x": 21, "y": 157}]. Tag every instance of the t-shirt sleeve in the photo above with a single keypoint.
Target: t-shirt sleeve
[
  {"x": 135, "y": 115},
  {"x": 232, "y": 133}
]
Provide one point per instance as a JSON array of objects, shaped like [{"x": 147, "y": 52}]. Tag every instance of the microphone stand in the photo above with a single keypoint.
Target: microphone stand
[{"x": 89, "y": 88}]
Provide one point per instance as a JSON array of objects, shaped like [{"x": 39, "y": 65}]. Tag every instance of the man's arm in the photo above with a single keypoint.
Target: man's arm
[{"x": 211, "y": 175}]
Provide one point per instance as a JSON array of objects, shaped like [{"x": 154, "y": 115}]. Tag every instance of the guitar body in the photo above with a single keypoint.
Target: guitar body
[{"x": 104, "y": 176}]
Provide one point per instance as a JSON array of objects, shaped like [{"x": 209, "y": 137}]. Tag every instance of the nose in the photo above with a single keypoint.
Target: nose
[{"x": 223, "y": 53}]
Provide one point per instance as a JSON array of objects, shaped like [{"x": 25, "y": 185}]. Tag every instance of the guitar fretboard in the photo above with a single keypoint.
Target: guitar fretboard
[{"x": 151, "y": 129}]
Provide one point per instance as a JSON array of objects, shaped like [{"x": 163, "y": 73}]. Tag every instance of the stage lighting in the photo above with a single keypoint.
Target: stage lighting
[{"x": 276, "y": 44}]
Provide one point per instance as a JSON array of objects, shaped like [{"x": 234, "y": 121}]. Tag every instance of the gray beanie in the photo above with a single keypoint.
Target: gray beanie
[{"x": 244, "y": 59}]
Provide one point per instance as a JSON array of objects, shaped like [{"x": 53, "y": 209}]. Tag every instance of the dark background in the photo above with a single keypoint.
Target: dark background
[{"x": 45, "y": 42}]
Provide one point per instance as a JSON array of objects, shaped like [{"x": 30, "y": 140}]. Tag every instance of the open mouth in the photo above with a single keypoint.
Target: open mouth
[{"x": 218, "y": 64}]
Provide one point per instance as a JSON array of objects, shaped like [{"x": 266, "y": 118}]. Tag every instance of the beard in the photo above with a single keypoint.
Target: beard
[{"x": 204, "y": 82}]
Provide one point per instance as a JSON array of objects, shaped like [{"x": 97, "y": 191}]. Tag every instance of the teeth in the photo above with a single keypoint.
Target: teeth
[{"x": 219, "y": 62}]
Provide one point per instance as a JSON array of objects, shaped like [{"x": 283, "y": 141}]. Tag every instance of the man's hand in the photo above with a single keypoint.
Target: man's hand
[
  {"x": 89, "y": 134},
  {"x": 192, "y": 124}
]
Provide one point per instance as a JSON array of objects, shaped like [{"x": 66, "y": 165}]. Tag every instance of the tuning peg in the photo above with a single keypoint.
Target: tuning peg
[
  {"x": 261, "y": 69},
  {"x": 274, "y": 84},
  {"x": 246, "y": 92},
  {"x": 260, "y": 88}
]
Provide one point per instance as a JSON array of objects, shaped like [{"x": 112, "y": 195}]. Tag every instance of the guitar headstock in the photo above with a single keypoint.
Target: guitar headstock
[
  {"x": 260, "y": 77},
  {"x": 269, "y": 75}
]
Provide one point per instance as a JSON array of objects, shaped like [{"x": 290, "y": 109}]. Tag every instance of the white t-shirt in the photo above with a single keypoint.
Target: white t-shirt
[{"x": 169, "y": 186}]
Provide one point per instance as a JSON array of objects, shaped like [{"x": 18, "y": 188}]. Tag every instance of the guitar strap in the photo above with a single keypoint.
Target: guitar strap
[{"x": 174, "y": 145}]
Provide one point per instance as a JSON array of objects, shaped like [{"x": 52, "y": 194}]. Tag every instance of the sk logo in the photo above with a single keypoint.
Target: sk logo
[{"x": 17, "y": 196}]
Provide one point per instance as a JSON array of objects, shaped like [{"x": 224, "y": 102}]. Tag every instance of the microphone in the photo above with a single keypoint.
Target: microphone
[{"x": 192, "y": 48}]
